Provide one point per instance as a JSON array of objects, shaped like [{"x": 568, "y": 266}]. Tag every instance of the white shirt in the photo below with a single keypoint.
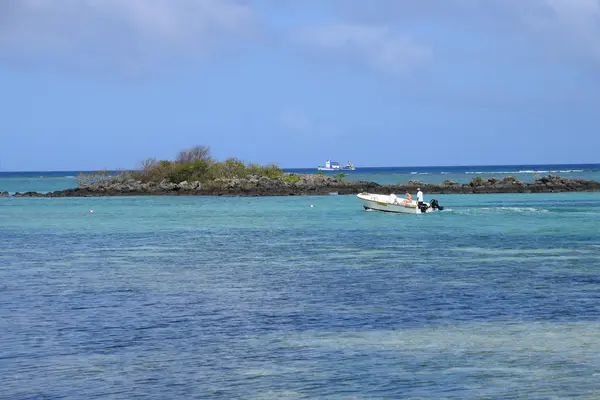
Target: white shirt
[{"x": 420, "y": 196}]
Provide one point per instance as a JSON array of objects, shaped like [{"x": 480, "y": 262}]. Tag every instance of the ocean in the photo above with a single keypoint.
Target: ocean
[
  {"x": 497, "y": 296},
  {"x": 41, "y": 181}
]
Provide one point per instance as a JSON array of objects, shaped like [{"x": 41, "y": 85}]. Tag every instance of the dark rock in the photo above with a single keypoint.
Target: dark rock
[
  {"x": 4, "y": 194},
  {"x": 313, "y": 185},
  {"x": 510, "y": 179}
]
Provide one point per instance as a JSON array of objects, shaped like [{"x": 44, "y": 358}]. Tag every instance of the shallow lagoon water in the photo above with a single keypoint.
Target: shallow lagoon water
[{"x": 498, "y": 296}]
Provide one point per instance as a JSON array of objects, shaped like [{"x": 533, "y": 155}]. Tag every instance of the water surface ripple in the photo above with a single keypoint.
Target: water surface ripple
[{"x": 498, "y": 296}]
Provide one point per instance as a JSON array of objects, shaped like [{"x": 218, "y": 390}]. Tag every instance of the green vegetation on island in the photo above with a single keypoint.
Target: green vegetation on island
[
  {"x": 195, "y": 172},
  {"x": 191, "y": 165}
]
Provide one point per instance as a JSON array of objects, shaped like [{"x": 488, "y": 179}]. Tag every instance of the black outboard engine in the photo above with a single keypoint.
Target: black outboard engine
[
  {"x": 423, "y": 207},
  {"x": 435, "y": 205}
]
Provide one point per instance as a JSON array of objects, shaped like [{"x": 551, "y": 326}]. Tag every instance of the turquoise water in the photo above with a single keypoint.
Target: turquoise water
[{"x": 498, "y": 296}]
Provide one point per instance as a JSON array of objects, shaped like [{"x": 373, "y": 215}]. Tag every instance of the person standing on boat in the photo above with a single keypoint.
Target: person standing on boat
[{"x": 419, "y": 197}]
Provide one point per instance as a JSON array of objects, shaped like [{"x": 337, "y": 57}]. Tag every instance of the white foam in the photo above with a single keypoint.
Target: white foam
[
  {"x": 512, "y": 209},
  {"x": 490, "y": 251},
  {"x": 527, "y": 171}
]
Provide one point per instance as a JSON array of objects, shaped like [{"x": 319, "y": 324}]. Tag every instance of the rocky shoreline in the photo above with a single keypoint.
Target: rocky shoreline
[{"x": 307, "y": 185}]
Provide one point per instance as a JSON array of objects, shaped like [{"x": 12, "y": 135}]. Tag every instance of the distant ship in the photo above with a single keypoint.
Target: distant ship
[{"x": 335, "y": 166}]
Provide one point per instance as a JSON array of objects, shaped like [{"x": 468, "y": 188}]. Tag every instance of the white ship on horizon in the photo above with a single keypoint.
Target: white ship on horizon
[{"x": 335, "y": 166}]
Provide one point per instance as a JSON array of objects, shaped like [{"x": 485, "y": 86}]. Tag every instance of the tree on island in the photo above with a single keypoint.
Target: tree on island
[{"x": 191, "y": 165}]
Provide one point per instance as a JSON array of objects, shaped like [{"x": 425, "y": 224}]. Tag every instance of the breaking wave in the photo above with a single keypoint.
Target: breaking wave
[
  {"x": 527, "y": 171},
  {"x": 516, "y": 209}
]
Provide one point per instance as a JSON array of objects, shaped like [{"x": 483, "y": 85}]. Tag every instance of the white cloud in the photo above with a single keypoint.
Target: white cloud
[
  {"x": 131, "y": 34},
  {"x": 556, "y": 28},
  {"x": 379, "y": 46},
  {"x": 117, "y": 31}
]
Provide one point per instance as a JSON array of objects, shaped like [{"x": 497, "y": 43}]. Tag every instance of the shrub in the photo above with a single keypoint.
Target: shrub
[
  {"x": 124, "y": 176},
  {"x": 190, "y": 165},
  {"x": 159, "y": 172},
  {"x": 268, "y": 171},
  {"x": 292, "y": 179},
  {"x": 340, "y": 176},
  {"x": 234, "y": 168},
  {"x": 253, "y": 169},
  {"x": 230, "y": 168},
  {"x": 194, "y": 171},
  {"x": 197, "y": 153},
  {"x": 84, "y": 179},
  {"x": 148, "y": 164},
  {"x": 478, "y": 180}
]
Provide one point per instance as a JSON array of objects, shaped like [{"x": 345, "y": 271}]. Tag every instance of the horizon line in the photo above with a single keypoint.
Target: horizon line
[{"x": 315, "y": 168}]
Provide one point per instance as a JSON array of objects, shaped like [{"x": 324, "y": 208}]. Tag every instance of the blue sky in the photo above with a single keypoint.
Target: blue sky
[{"x": 89, "y": 84}]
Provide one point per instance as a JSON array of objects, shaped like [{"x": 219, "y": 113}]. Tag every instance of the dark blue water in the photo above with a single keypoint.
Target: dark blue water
[{"x": 539, "y": 168}]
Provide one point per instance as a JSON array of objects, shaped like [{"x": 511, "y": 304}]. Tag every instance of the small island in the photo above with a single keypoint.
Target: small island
[{"x": 195, "y": 172}]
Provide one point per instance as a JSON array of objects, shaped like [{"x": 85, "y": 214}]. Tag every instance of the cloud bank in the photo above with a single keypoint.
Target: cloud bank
[
  {"x": 390, "y": 36},
  {"x": 107, "y": 32},
  {"x": 554, "y": 28}
]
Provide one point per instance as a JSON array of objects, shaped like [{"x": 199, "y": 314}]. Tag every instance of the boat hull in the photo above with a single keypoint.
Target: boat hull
[
  {"x": 381, "y": 202},
  {"x": 335, "y": 166},
  {"x": 336, "y": 169}
]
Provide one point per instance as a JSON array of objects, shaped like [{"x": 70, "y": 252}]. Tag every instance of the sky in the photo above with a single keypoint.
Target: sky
[{"x": 94, "y": 84}]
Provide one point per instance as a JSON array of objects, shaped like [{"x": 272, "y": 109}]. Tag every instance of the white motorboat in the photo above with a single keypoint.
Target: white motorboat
[{"x": 391, "y": 203}]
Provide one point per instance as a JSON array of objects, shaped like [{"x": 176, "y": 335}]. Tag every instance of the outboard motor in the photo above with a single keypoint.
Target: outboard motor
[
  {"x": 424, "y": 207},
  {"x": 435, "y": 205}
]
